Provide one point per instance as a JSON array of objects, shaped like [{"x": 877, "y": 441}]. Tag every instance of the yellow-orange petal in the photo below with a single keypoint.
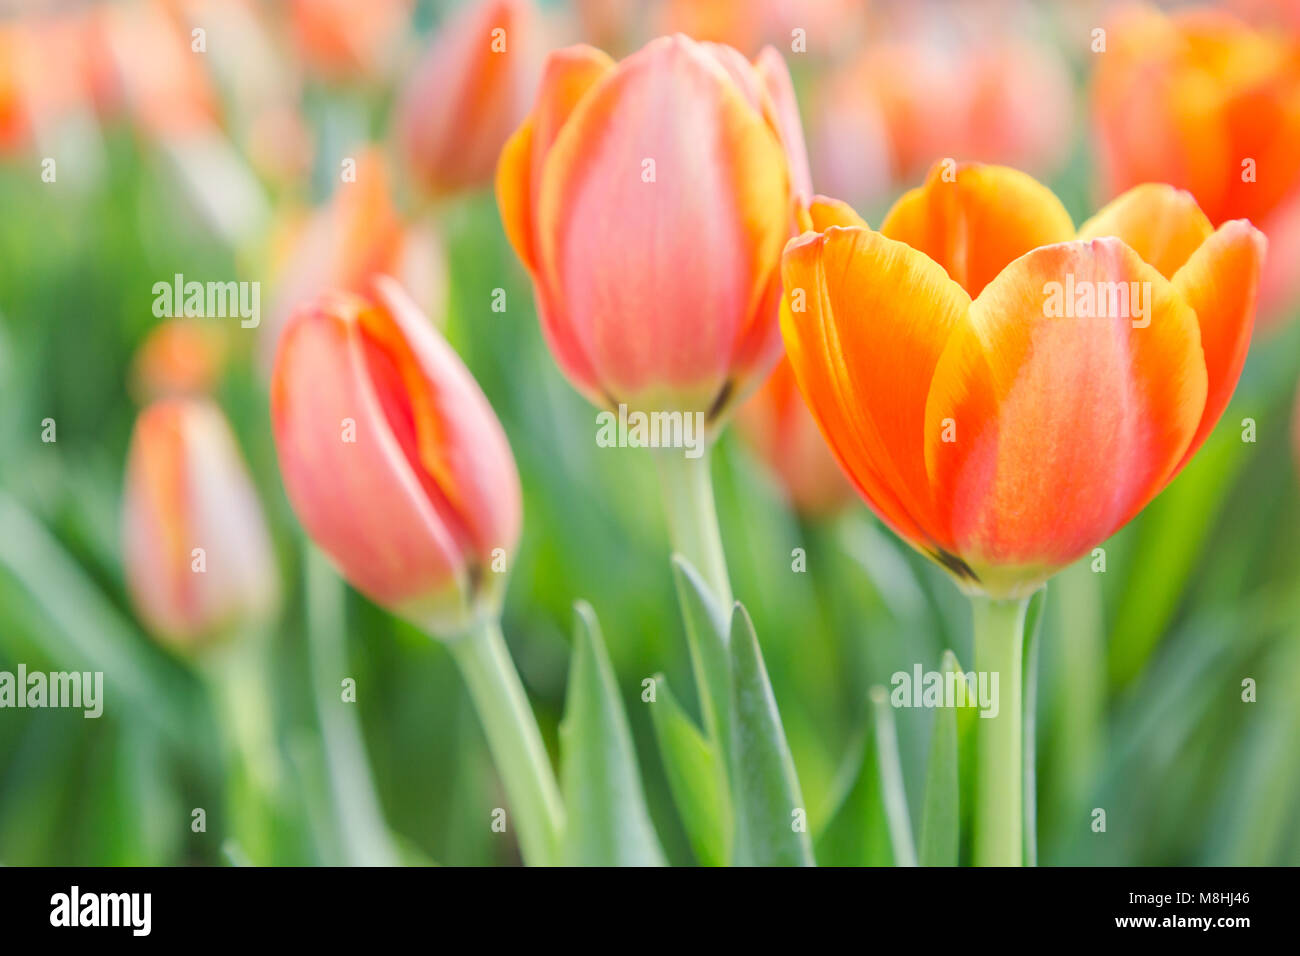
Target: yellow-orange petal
[
  {"x": 1220, "y": 282},
  {"x": 1161, "y": 224},
  {"x": 1080, "y": 420},
  {"x": 822, "y": 212},
  {"x": 566, "y": 78},
  {"x": 875, "y": 317},
  {"x": 973, "y": 219}
]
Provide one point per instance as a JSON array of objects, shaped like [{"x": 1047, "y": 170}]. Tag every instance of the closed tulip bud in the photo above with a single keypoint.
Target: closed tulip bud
[
  {"x": 1205, "y": 102},
  {"x": 649, "y": 200},
  {"x": 468, "y": 93},
  {"x": 1006, "y": 392},
  {"x": 198, "y": 558},
  {"x": 179, "y": 357},
  {"x": 393, "y": 459}
]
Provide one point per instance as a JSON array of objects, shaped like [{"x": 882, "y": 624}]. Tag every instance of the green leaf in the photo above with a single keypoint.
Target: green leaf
[
  {"x": 706, "y": 633},
  {"x": 892, "y": 791},
  {"x": 771, "y": 819},
  {"x": 857, "y": 831},
  {"x": 607, "y": 820},
  {"x": 941, "y": 812},
  {"x": 1033, "y": 624},
  {"x": 90, "y": 633},
  {"x": 696, "y": 777},
  {"x": 1171, "y": 538}
]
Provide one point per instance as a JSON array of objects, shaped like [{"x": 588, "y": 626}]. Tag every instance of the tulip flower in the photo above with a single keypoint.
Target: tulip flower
[
  {"x": 181, "y": 356},
  {"x": 468, "y": 93},
  {"x": 356, "y": 236},
  {"x": 669, "y": 305},
  {"x": 1006, "y": 392},
  {"x": 342, "y": 40},
  {"x": 203, "y": 579},
  {"x": 197, "y": 555},
  {"x": 1201, "y": 100},
  {"x": 397, "y": 467},
  {"x": 885, "y": 117}
]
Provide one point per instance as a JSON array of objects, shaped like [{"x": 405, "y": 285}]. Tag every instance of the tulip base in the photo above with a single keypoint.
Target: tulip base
[
  {"x": 999, "y": 777},
  {"x": 514, "y": 739}
]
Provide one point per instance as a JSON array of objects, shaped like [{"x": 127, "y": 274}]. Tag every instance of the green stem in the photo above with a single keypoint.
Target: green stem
[
  {"x": 999, "y": 780},
  {"x": 360, "y": 821},
  {"x": 514, "y": 739},
  {"x": 237, "y": 676},
  {"x": 693, "y": 518}
]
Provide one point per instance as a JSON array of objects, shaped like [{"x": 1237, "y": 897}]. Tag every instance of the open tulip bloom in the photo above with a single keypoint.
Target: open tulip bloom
[{"x": 1006, "y": 391}]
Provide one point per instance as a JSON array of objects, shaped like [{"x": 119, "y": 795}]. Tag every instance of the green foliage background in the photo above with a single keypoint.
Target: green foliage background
[{"x": 1139, "y": 708}]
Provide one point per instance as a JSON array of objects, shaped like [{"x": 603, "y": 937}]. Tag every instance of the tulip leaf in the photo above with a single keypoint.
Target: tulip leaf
[
  {"x": 695, "y": 776},
  {"x": 607, "y": 820},
  {"x": 941, "y": 811},
  {"x": 1033, "y": 624},
  {"x": 706, "y": 632},
  {"x": 1171, "y": 537},
  {"x": 771, "y": 818},
  {"x": 857, "y": 832},
  {"x": 891, "y": 779}
]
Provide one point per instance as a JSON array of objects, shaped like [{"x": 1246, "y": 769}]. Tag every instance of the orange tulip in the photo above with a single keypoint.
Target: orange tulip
[
  {"x": 470, "y": 90},
  {"x": 393, "y": 459},
  {"x": 649, "y": 200},
  {"x": 342, "y": 39},
  {"x": 179, "y": 357},
  {"x": 355, "y": 237},
  {"x": 197, "y": 555},
  {"x": 1201, "y": 100},
  {"x": 885, "y": 117},
  {"x": 1006, "y": 392}
]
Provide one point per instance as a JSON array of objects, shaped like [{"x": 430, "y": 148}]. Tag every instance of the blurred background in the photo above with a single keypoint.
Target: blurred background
[{"x": 212, "y": 138}]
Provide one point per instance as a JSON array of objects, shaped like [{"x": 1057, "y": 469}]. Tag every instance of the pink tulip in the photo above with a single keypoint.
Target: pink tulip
[
  {"x": 650, "y": 200},
  {"x": 393, "y": 458},
  {"x": 198, "y": 558},
  {"x": 468, "y": 93}
]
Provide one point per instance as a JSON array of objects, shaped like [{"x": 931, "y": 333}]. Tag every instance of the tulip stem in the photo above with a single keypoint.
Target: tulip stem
[
  {"x": 514, "y": 739},
  {"x": 237, "y": 676},
  {"x": 999, "y": 780},
  {"x": 693, "y": 518}
]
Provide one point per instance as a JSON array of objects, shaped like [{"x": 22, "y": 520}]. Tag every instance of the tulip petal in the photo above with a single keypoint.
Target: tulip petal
[
  {"x": 463, "y": 456},
  {"x": 775, "y": 77},
  {"x": 373, "y": 518},
  {"x": 877, "y": 317},
  {"x": 1065, "y": 425},
  {"x": 822, "y": 212},
  {"x": 699, "y": 225},
  {"x": 567, "y": 77},
  {"x": 1161, "y": 224},
  {"x": 974, "y": 219},
  {"x": 1220, "y": 282}
]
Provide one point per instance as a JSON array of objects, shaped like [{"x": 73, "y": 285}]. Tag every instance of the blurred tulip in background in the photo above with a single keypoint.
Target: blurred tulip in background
[
  {"x": 197, "y": 555},
  {"x": 1199, "y": 99}
]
